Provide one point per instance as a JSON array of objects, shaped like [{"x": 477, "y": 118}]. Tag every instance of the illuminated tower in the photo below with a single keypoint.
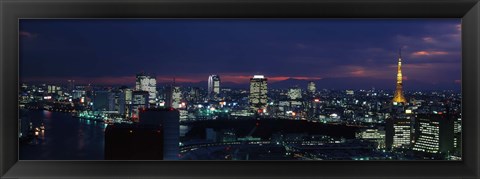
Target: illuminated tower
[
  {"x": 398, "y": 97},
  {"x": 213, "y": 85},
  {"x": 258, "y": 93}
]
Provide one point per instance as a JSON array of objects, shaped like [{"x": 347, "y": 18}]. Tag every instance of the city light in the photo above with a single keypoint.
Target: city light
[{"x": 246, "y": 108}]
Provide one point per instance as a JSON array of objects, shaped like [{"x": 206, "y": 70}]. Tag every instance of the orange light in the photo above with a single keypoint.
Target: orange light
[
  {"x": 293, "y": 114},
  {"x": 316, "y": 100}
]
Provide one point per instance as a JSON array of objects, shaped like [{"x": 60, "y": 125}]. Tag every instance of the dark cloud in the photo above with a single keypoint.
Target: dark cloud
[{"x": 281, "y": 49}]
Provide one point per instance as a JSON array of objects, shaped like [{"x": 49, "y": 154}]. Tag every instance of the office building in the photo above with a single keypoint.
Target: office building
[
  {"x": 103, "y": 101},
  {"x": 194, "y": 95},
  {"x": 311, "y": 88},
  {"x": 294, "y": 93},
  {"x": 258, "y": 93},
  {"x": 127, "y": 93},
  {"x": 169, "y": 119},
  {"x": 147, "y": 83},
  {"x": 139, "y": 101},
  {"x": 173, "y": 97},
  {"x": 434, "y": 133},
  {"x": 374, "y": 135},
  {"x": 70, "y": 85},
  {"x": 213, "y": 86},
  {"x": 399, "y": 132}
]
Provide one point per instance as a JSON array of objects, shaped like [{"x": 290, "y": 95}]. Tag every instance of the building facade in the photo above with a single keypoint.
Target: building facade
[
  {"x": 294, "y": 93},
  {"x": 147, "y": 83},
  {"x": 311, "y": 88},
  {"x": 173, "y": 96},
  {"x": 258, "y": 93},
  {"x": 213, "y": 86},
  {"x": 169, "y": 119},
  {"x": 434, "y": 133},
  {"x": 399, "y": 132},
  {"x": 139, "y": 101}
]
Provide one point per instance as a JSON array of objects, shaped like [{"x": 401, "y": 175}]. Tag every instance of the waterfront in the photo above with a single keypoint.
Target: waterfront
[
  {"x": 64, "y": 138},
  {"x": 308, "y": 91}
]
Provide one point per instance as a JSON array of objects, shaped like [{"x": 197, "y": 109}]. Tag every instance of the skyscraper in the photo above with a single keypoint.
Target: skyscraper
[
  {"x": 311, "y": 88},
  {"x": 168, "y": 119},
  {"x": 102, "y": 101},
  {"x": 173, "y": 96},
  {"x": 258, "y": 92},
  {"x": 399, "y": 132},
  {"x": 139, "y": 101},
  {"x": 147, "y": 83},
  {"x": 398, "y": 97},
  {"x": 71, "y": 86},
  {"x": 128, "y": 101},
  {"x": 213, "y": 86},
  {"x": 434, "y": 133}
]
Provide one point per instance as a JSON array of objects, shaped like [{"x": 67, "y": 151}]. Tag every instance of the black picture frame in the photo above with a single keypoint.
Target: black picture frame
[{"x": 12, "y": 10}]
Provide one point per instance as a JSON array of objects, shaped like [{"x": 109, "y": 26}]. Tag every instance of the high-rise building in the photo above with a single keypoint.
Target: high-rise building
[
  {"x": 399, "y": 132},
  {"x": 169, "y": 119},
  {"x": 173, "y": 96},
  {"x": 311, "y": 88},
  {"x": 52, "y": 89},
  {"x": 70, "y": 86},
  {"x": 398, "y": 97},
  {"x": 213, "y": 86},
  {"x": 294, "y": 93},
  {"x": 258, "y": 93},
  {"x": 139, "y": 101},
  {"x": 434, "y": 134},
  {"x": 102, "y": 101},
  {"x": 77, "y": 94},
  {"x": 194, "y": 95},
  {"x": 120, "y": 102},
  {"x": 127, "y": 93},
  {"x": 147, "y": 83},
  {"x": 457, "y": 136}
]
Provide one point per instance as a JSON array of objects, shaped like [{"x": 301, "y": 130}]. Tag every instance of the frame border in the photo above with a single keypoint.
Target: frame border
[{"x": 12, "y": 10}]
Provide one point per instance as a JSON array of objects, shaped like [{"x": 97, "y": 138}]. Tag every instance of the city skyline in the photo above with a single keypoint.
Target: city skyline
[{"x": 191, "y": 50}]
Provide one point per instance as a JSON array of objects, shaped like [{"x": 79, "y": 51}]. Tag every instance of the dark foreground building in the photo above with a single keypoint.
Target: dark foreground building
[
  {"x": 169, "y": 119},
  {"x": 133, "y": 142}
]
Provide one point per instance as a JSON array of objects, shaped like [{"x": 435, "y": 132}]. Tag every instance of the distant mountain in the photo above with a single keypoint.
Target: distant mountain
[
  {"x": 362, "y": 83},
  {"x": 336, "y": 83},
  {"x": 204, "y": 84}
]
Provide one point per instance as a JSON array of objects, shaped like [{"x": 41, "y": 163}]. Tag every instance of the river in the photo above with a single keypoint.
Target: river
[{"x": 64, "y": 138}]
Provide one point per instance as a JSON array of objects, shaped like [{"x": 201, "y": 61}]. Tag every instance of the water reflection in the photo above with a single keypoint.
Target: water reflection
[{"x": 64, "y": 137}]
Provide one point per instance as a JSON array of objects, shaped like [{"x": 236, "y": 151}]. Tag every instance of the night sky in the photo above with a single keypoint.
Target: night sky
[{"x": 347, "y": 51}]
